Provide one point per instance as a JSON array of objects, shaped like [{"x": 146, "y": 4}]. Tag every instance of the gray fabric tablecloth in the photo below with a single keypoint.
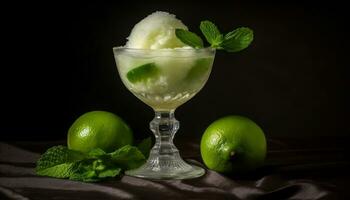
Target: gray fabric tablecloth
[{"x": 289, "y": 173}]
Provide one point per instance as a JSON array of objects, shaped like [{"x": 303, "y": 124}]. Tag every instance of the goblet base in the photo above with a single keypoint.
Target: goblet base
[{"x": 166, "y": 167}]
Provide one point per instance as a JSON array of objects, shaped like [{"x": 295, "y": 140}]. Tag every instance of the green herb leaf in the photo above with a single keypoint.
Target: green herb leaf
[
  {"x": 211, "y": 33},
  {"x": 112, "y": 171},
  {"x": 189, "y": 38},
  {"x": 142, "y": 73},
  {"x": 58, "y": 161},
  {"x": 97, "y": 165},
  {"x": 128, "y": 157},
  {"x": 63, "y": 170},
  {"x": 84, "y": 171},
  {"x": 93, "y": 170},
  {"x": 95, "y": 153},
  {"x": 145, "y": 146},
  {"x": 238, "y": 39}
]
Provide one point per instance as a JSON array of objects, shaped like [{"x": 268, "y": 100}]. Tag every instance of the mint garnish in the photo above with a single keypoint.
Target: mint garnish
[
  {"x": 233, "y": 41},
  {"x": 211, "y": 33},
  {"x": 189, "y": 38},
  {"x": 93, "y": 170},
  {"x": 128, "y": 157},
  {"x": 58, "y": 161},
  {"x": 96, "y": 165},
  {"x": 95, "y": 153},
  {"x": 238, "y": 39}
]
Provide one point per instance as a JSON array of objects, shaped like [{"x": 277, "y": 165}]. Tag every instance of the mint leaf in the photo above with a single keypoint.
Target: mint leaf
[
  {"x": 63, "y": 170},
  {"x": 87, "y": 176},
  {"x": 58, "y": 155},
  {"x": 112, "y": 171},
  {"x": 94, "y": 153},
  {"x": 58, "y": 161},
  {"x": 145, "y": 146},
  {"x": 143, "y": 73},
  {"x": 238, "y": 39},
  {"x": 85, "y": 171},
  {"x": 128, "y": 157},
  {"x": 93, "y": 170},
  {"x": 189, "y": 38},
  {"x": 211, "y": 33}
]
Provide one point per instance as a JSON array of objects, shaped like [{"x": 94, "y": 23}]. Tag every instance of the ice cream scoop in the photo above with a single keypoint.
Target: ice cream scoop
[{"x": 156, "y": 31}]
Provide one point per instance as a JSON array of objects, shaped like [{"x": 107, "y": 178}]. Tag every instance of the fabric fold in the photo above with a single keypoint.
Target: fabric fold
[{"x": 18, "y": 181}]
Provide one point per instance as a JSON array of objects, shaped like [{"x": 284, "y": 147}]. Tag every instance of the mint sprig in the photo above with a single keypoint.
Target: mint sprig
[
  {"x": 233, "y": 41},
  {"x": 96, "y": 165},
  {"x": 93, "y": 170}
]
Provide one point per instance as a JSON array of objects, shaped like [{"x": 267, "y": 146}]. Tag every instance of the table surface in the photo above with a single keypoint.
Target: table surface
[{"x": 313, "y": 168}]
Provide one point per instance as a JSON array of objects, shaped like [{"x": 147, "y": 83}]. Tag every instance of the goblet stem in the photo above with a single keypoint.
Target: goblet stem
[
  {"x": 164, "y": 126},
  {"x": 164, "y": 161}
]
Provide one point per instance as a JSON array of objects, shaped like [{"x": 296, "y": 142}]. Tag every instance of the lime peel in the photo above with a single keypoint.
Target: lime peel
[{"x": 143, "y": 73}]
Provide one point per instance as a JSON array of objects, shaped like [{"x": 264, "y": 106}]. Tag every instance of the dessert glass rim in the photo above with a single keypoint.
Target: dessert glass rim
[{"x": 164, "y": 49}]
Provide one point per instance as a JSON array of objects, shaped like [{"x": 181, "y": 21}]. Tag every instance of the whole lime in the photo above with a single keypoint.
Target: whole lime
[
  {"x": 233, "y": 144},
  {"x": 99, "y": 129}
]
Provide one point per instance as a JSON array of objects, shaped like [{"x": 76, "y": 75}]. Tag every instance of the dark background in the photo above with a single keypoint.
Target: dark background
[{"x": 58, "y": 64}]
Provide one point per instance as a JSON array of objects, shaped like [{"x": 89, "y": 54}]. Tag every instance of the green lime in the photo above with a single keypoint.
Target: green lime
[
  {"x": 233, "y": 144},
  {"x": 142, "y": 73},
  {"x": 99, "y": 129}
]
